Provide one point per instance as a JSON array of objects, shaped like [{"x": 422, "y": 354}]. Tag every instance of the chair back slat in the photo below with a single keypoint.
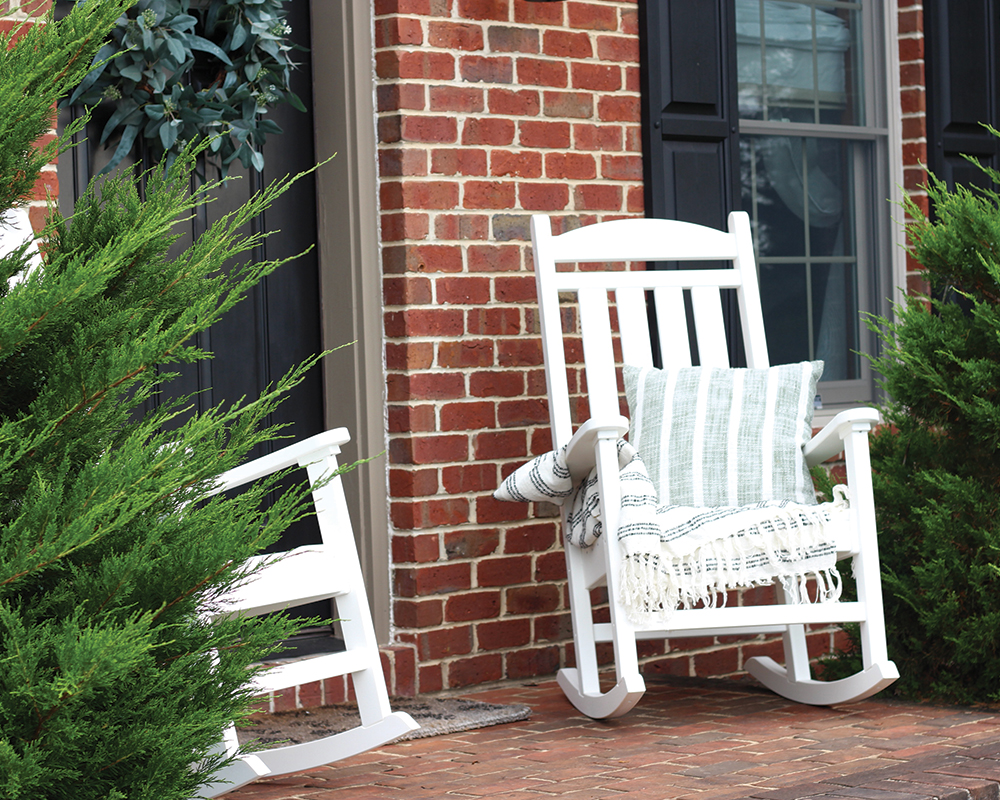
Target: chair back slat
[
  {"x": 645, "y": 240},
  {"x": 751, "y": 313},
  {"x": 706, "y": 302},
  {"x": 671, "y": 325},
  {"x": 633, "y": 325},
  {"x": 598, "y": 353}
]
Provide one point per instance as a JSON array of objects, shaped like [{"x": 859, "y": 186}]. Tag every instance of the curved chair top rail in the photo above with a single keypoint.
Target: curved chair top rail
[
  {"x": 300, "y": 454},
  {"x": 643, "y": 240}
]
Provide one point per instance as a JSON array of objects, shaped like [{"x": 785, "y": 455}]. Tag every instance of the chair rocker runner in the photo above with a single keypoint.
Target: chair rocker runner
[
  {"x": 594, "y": 445},
  {"x": 330, "y": 570}
]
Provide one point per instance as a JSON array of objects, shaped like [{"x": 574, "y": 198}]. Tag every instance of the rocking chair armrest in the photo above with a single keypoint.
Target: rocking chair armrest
[
  {"x": 580, "y": 454},
  {"x": 299, "y": 454},
  {"x": 830, "y": 441}
]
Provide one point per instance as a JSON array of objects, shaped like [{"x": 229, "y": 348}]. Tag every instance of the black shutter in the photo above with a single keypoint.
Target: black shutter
[
  {"x": 689, "y": 119},
  {"x": 690, "y": 123},
  {"x": 962, "y": 87}
]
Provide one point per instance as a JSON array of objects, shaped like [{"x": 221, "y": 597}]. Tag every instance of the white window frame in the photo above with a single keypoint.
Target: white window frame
[{"x": 879, "y": 236}]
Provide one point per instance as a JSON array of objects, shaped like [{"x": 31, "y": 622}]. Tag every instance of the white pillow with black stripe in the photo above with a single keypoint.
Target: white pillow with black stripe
[{"x": 724, "y": 437}]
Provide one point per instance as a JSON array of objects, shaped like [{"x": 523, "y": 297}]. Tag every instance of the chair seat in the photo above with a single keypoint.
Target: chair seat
[{"x": 305, "y": 575}]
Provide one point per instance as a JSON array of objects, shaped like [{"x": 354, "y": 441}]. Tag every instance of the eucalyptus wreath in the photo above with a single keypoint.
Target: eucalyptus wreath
[{"x": 181, "y": 70}]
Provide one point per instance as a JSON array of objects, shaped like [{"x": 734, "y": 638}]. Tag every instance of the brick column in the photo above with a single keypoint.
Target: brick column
[
  {"x": 914, "y": 108},
  {"x": 488, "y": 111}
]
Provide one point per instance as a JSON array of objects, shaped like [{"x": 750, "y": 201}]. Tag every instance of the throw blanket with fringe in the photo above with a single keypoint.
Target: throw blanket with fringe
[{"x": 678, "y": 556}]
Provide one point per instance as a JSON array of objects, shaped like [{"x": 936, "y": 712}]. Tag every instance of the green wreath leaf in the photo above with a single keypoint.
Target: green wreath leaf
[{"x": 196, "y": 42}]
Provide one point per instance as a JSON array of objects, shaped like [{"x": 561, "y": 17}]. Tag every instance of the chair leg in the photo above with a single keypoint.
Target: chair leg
[
  {"x": 794, "y": 681},
  {"x": 794, "y": 645},
  {"x": 581, "y": 685}
]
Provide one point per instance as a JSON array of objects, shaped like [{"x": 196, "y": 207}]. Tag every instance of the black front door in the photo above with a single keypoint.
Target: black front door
[{"x": 278, "y": 324}]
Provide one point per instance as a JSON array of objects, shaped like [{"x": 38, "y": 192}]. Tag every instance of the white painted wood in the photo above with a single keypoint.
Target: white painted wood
[
  {"x": 330, "y": 570},
  {"x": 580, "y": 449},
  {"x": 829, "y": 442},
  {"x": 303, "y": 575},
  {"x": 241, "y": 772},
  {"x": 15, "y": 232},
  {"x": 793, "y": 642},
  {"x": 550, "y": 321},
  {"x": 645, "y": 240},
  {"x": 616, "y": 702},
  {"x": 595, "y": 319},
  {"x": 305, "y": 756},
  {"x": 748, "y": 294},
  {"x": 284, "y": 676},
  {"x": 738, "y": 620},
  {"x": 712, "y": 348},
  {"x": 633, "y": 326},
  {"x": 671, "y": 324},
  {"x": 851, "y": 689},
  {"x": 594, "y": 447},
  {"x": 614, "y": 279}
]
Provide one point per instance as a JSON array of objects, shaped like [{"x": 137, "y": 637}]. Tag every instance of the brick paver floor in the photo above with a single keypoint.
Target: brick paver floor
[{"x": 710, "y": 740}]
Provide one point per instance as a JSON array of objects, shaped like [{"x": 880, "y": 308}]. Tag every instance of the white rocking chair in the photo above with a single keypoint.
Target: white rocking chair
[
  {"x": 594, "y": 444},
  {"x": 330, "y": 570}
]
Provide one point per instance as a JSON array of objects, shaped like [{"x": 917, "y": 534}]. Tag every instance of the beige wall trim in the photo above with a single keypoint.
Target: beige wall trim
[{"x": 350, "y": 272}]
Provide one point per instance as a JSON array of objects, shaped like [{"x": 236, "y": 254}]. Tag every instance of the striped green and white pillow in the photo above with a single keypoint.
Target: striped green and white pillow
[{"x": 724, "y": 437}]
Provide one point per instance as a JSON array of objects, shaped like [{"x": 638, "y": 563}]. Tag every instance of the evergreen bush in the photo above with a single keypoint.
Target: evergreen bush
[
  {"x": 112, "y": 682},
  {"x": 936, "y": 460}
]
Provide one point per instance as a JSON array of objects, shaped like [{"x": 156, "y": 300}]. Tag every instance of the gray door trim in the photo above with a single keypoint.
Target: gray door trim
[{"x": 350, "y": 272}]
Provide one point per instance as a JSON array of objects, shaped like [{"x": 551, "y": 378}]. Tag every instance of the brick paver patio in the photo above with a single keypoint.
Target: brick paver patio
[{"x": 710, "y": 740}]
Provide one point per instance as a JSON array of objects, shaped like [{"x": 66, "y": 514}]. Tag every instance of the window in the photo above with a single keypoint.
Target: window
[
  {"x": 792, "y": 128},
  {"x": 806, "y": 162}
]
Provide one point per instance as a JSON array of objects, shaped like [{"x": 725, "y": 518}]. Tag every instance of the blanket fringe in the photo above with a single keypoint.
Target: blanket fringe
[
  {"x": 791, "y": 548},
  {"x": 649, "y": 598}
]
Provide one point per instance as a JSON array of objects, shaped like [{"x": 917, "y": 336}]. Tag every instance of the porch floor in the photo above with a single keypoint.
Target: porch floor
[{"x": 712, "y": 740}]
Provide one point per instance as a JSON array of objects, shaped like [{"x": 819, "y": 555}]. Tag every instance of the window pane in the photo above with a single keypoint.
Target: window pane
[
  {"x": 801, "y": 197},
  {"x": 799, "y": 191},
  {"x": 783, "y": 292},
  {"x": 799, "y": 61},
  {"x": 835, "y": 320}
]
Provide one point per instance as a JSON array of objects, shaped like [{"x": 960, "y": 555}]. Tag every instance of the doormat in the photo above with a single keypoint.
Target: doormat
[{"x": 435, "y": 715}]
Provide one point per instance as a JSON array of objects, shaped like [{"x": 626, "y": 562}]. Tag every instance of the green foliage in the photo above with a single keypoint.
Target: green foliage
[
  {"x": 45, "y": 65},
  {"x": 179, "y": 71},
  {"x": 937, "y": 461},
  {"x": 113, "y": 681}
]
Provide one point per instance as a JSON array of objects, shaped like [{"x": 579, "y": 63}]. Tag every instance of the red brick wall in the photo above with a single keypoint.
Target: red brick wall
[
  {"x": 914, "y": 109},
  {"x": 488, "y": 111}
]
